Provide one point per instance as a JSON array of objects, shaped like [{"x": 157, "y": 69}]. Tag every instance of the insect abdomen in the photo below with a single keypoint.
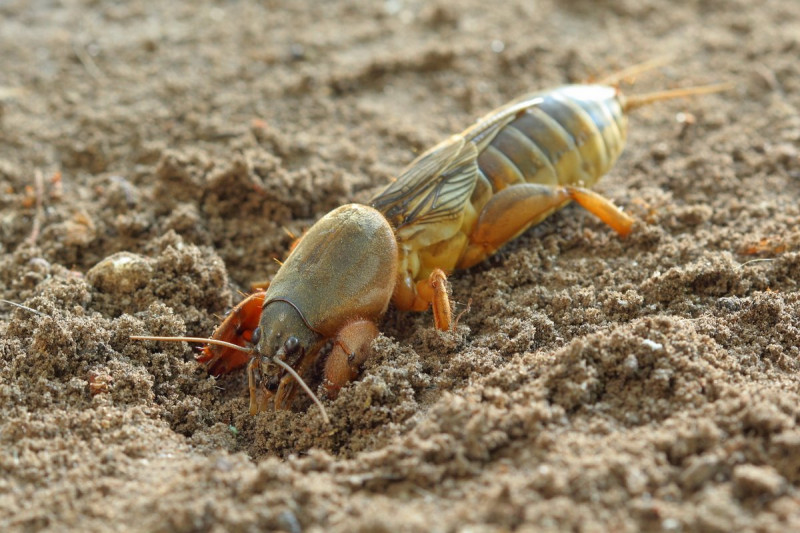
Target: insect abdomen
[{"x": 570, "y": 135}]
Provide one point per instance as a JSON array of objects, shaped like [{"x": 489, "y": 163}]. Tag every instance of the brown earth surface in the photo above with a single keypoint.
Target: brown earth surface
[{"x": 597, "y": 383}]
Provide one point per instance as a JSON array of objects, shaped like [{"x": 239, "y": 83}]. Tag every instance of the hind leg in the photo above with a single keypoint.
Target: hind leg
[{"x": 514, "y": 209}]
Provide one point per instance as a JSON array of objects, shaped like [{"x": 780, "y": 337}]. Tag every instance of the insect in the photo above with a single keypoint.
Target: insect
[{"x": 451, "y": 208}]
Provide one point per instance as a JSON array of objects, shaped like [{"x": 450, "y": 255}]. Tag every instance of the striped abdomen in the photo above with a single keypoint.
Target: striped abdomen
[
  {"x": 571, "y": 135},
  {"x": 566, "y": 136}
]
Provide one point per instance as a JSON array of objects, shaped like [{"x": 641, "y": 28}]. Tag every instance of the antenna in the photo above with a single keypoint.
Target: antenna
[
  {"x": 633, "y": 70},
  {"x": 25, "y": 307},
  {"x": 639, "y": 100}
]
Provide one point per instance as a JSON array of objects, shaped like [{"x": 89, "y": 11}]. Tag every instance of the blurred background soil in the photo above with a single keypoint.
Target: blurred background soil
[{"x": 154, "y": 158}]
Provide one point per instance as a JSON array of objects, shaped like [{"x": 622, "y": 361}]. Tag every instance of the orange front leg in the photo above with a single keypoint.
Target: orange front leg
[
  {"x": 350, "y": 349},
  {"x": 237, "y": 328}
]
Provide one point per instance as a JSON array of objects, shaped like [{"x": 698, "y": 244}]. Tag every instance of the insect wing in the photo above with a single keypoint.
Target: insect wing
[
  {"x": 487, "y": 127},
  {"x": 436, "y": 185}
]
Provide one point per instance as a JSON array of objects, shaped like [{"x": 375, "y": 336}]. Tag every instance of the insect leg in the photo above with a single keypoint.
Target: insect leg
[
  {"x": 350, "y": 349},
  {"x": 442, "y": 313},
  {"x": 266, "y": 395},
  {"x": 425, "y": 293},
  {"x": 289, "y": 386},
  {"x": 602, "y": 208},
  {"x": 251, "y": 384},
  {"x": 287, "y": 389},
  {"x": 237, "y": 328},
  {"x": 514, "y": 209}
]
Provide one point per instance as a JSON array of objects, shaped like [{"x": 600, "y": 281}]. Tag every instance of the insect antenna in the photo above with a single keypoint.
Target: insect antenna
[
  {"x": 639, "y": 100},
  {"x": 634, "y": 70},
  {"x": 192, "y": 339},
  {"x": 305, "y": 387},
  {"x": 25, "y": 307}
]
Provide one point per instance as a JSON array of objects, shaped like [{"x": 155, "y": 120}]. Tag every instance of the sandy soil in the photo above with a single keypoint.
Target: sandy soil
[{"x": 597, "y": 383}]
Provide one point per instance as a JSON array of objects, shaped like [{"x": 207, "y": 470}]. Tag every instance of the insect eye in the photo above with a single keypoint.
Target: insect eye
[
  {"x": 291, "y": 345},
  {"x": 256, "y": 336}
]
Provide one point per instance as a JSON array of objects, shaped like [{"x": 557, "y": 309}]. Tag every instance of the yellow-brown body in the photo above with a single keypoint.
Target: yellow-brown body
[{"x": 452, "y": 207}]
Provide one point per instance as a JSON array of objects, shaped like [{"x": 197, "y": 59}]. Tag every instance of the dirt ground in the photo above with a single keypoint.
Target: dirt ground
[{"x": 597, "y": 383}]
